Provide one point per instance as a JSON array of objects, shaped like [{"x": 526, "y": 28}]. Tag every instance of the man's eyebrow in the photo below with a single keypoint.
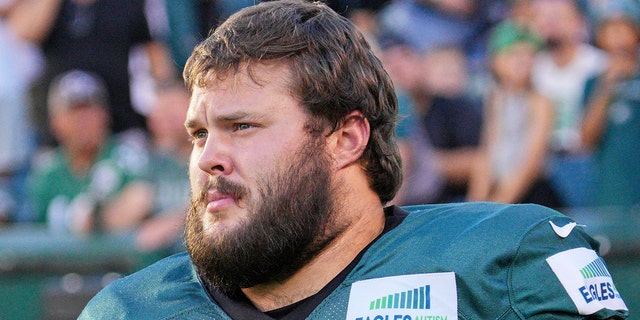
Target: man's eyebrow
[
  {"x": 235, "y": 116},
  {"x": 191, "y": 124},
  {"x": 239, "y": 115}
]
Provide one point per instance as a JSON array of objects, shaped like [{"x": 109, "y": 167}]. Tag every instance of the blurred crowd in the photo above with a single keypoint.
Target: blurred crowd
[{"x": 514, "y": 101}]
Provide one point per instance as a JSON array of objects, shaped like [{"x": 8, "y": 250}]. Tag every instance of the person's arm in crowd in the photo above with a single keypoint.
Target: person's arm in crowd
[
  {"x": 456, "y": 165},
  {"x": 594, "y": 123},
  {"x": 480, "y": 178},
  {"x": 32, "y": 20},
  {"x": 520, "y": 180},
  {"x": 127, "y": 209},
  {"x": 162, "y": 229}
]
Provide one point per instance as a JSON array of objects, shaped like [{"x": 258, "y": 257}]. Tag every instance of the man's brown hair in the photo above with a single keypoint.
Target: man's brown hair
[{"x": 333, "y": 72}]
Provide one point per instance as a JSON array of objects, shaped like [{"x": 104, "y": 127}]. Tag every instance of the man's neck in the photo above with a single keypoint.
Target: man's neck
[{"x": 311, "y": 278}]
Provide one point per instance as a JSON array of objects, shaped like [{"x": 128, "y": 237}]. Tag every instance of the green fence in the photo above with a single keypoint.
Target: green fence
[{"x": 45, "y": 276}]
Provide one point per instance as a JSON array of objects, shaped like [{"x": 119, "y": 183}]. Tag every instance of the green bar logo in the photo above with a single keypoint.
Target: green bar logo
[
  {"x": 417, "y": 298},
  {"x": 594, "y": 269}
]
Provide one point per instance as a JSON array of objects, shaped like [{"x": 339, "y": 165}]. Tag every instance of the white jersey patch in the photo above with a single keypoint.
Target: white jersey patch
[
  {"x": 432, "y": 296},
  {"x": 586, "y": 279}
]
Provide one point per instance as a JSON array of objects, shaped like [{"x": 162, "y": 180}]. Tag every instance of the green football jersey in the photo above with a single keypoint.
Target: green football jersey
[{"x": 454, "y": 261}]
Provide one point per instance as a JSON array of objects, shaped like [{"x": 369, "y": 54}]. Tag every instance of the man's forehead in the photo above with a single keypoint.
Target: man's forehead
[
  {"x": 250, "y": 89},
  {"x": 246, "y": 74}
]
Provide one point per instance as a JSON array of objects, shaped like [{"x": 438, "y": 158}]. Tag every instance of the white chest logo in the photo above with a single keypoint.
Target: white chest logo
[{"x": 430, "y": 296}]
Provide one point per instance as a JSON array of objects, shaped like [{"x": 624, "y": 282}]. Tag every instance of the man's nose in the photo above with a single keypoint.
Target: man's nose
[{"x": 215, "y": 158}]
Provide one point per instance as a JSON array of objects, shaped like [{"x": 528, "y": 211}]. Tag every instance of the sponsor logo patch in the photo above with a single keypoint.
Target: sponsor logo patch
[
  {"x": 585, "y": 277},
  {"x": 431, "y": 296}
]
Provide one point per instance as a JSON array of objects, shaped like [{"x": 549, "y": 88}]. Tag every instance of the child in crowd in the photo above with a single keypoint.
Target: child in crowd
[{"x": 516, "y": 128}]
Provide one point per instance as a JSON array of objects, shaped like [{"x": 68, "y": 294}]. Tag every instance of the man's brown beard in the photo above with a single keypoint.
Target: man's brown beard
[{"x": 291, "y": 220}]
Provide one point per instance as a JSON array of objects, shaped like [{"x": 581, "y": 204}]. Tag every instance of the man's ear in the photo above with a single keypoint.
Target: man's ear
[{"x": 348, "y": 142}]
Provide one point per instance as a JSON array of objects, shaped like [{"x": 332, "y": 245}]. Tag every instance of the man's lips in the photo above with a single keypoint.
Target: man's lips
[{"x": 217, "y": 201}]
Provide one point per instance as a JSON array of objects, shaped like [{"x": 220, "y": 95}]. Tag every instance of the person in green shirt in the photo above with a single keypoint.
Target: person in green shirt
[
  {"x": 76, "y": 186},
  {"x": 611, "y": 126}
]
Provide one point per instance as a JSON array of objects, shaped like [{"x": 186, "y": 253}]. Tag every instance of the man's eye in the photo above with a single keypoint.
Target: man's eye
[
  {"x": 241, "y": 126},
  {"x": 199, "y": 135}
]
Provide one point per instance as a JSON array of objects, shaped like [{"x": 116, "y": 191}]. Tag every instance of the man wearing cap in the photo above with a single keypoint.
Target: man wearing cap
[{"x": 87, "y": 170}]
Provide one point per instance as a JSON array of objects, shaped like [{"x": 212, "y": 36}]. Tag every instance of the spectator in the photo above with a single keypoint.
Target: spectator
[
  {"x": 93, "y": 35},
  {"x": 19, "y": 64},
  {"x": 76, "y": 187},
  {"x": 611, "y": 126},
  {"x": 401, "y": 61},
  {"x": 450, "y": 118},
  {"x": 423, "y": 181},
  {"x": 560, "y": 72},
  {"x": 517, "y": 125},
  {"x": 168, "y": 183}
]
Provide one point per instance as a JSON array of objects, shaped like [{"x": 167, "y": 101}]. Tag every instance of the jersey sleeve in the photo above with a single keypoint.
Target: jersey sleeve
[
  {"x": 168, "y": 289},
  {"x": 557, "y": 273}
]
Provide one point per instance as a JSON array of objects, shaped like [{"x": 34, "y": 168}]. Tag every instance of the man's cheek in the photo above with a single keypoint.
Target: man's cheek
[{"x": 197, "y": 179}]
